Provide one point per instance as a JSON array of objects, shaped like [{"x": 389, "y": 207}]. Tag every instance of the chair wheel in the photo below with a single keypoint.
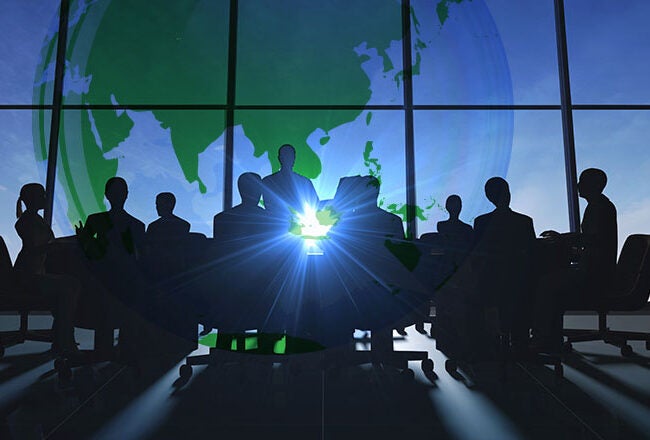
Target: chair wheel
[
  {"x": 567, "y": 347},
  {"x": 427, "y": 365},
  {"x": 407, "y": 375},
  {"x": 185, "y": 371},
  {"x": 626, "y": 350},
  {"x": 451, "y": 366}
]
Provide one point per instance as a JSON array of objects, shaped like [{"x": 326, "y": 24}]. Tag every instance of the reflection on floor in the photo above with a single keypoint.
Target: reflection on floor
[{"x": 603, "y": 396}]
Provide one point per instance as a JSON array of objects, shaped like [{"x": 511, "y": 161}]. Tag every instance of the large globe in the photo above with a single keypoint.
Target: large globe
[{"x": 289, "y": 53}]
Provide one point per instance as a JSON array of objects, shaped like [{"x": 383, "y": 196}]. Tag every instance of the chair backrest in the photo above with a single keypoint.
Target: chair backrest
[
  {"x": 5, "y": 259},
  {"x": 633, "y": 271}
]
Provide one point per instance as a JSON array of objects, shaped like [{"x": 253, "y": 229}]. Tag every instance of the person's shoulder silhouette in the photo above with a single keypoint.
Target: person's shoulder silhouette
[
  {"x": 246, "y": 219},
  {"x": 365, "y": 219},
  {"x": 599, "y": 226},
  {"x": 286, "y": 190},
  {"x": 454, "y": 226},
  {"x": 167, "y": 225},
  {"x": 114, "y": 229},
  {"x": 503, "y": 228}
]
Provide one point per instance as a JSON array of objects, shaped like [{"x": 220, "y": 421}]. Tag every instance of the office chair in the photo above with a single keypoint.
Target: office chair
[
  {"x": 172, "y": 262},
  {"x": 631, "y": 291},
  {"x": 14, "y": 299}
]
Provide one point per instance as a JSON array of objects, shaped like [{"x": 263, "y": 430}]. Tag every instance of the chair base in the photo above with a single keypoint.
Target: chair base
[
  {"x": 617, "y": 338},
  {"x": 323, "y": 359}
]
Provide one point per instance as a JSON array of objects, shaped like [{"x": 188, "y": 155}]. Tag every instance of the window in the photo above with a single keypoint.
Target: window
[{"x": 188, "y": 95}]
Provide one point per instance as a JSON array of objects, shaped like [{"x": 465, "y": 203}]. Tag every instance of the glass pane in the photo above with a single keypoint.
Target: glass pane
[
  {"x": 456, "y": 152},
  {"x": 617, "y": 143},
  {"x": 527, "y": 31},
  {"x": 29, "y": 30},
  {"x": 372, "y": 144},
  {"x": 320, "y": 53},
  {"x": 155, "y": 151},
  {"x": 22, "y": 162},
  {"x": 462, "y": 56},
  {"x": 121, "y": 51},
  {"x": 536, "y": 171},
  {"x": 609, "y": 48}
]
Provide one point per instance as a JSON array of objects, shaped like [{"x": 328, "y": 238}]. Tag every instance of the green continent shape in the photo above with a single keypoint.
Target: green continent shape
[
  {"x": 314, "y": 63},
  {"x": 177, "y": 53},
  {"x": 328, "y": 216},
  {"x": 173, "y": 54},
  {"x": 406, "y": 252},
  {"x": 442, "y": 9}
]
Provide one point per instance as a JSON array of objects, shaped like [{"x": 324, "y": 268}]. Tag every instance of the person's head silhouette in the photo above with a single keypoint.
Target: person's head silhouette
[
  {"x": 287, "y": 157},
  {"x": 165, "y": 203},
  {"x": 453, "y": 205},
  {"x": 33, "y": 196},
  {"x": 591, "y": 183},
  {"x": 498, "y": 192},
  {"x": 250, "y": 188},
  {"x": 116, "y": 191}
]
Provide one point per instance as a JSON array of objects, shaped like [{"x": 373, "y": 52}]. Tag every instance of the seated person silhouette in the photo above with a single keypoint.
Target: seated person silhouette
[
  {"x": 167, "y": 242},
  {"x": 367, "y": 221},
  {"x": 168, "y": 225},
  {"x": 582, "y": 285},
  {"x": 504, "y": 241},
  {"x": 458, "y": 235},
  {"x": 285, "y": 190},
  {"x": 245, "y": 220},
  {"x": 240, "y": 244},
  {"x": 454, "y": 225},
  {"x": 367, "y": 232},
  {"x": 61, "y": 291}
]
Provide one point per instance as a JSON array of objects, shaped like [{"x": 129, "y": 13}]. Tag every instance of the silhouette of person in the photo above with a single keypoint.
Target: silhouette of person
[
  {"x": 168, "y": 225},
  {"x": 583, "y": 285},
  {"x": 504, "y": 241},
  {"x": 286, "y": 191},
  {"x": 114, "y": 240},
  {"x": 62, "y": 291},
  {"x": 114, "y": 232},
  {"x": 458, "y": 236},
  {"x": 367, "y": 231},
  {"x": 367, "y": 220},
  {"x": 246, "y": 219},
  {"x": 239, "y": 236},
  {"x": 454, "y": 225}
]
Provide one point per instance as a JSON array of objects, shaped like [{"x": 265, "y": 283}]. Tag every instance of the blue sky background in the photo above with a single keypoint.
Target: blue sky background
[{"x": 609, "y": 52}]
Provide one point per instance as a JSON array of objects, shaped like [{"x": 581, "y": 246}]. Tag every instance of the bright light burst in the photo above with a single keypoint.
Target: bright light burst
[{"x": 313, "y": 224}]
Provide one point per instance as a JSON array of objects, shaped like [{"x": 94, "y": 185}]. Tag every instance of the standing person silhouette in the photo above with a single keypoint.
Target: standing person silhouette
[
  {"x": 61, "y": 290},
  {"x": 113, "y": 239},
  {"x": 504, "y": 241},
  {"x": 114, "y": 232},
  {"x": 287, "y": 192}
]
